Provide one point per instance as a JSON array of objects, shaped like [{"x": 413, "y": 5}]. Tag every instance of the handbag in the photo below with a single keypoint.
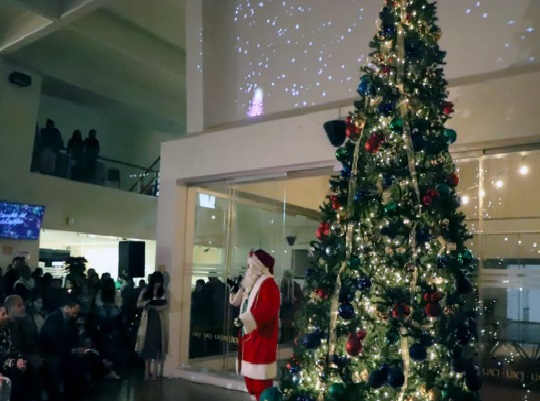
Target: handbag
[{"x": 141, "y": 332}]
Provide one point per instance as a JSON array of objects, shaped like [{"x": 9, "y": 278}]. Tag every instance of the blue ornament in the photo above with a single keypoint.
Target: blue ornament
[
  {"x": 417, "y": 142},
  {"x": 463, "y": 334},
  {"x": 346, "y": 310},
  {"x": 364, "y": 284},
  {"x": 387, "y": 180},
  {"x": 395, "y": 378},
  {"x": 389, "y": 31},
  {"x": 346, "y": 171},
  {"x": 417, "y": 352},
  {"x": 388, "y": 231},
  {"x": 423, "y": 234},
  {"x": 386, "y": 108},
  {"x": 376, "y": 379},
  {"x": 426, "y": 340},
  {"x": 295, "y": 368},
  {"x": 441, "y": 262},
  {"x": 359, "y": 196},
  {"x": 309, "y": 272},
  {"x": 311, "y": 341},
  {"x": 365, "y": 88},
  {"x": 346, "y": 295}
]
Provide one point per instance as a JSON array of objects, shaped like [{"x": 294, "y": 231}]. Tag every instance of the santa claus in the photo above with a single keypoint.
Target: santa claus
[{"x": 258, "y": 298}]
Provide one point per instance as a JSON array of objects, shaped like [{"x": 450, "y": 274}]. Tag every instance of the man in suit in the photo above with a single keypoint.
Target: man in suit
[{"x": 64, "y": 357}]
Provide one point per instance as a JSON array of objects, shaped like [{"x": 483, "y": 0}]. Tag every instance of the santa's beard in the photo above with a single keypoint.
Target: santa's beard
[{"x": 253, "y": 273}]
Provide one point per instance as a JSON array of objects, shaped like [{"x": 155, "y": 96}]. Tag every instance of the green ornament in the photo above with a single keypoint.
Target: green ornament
[
  {"x": 336, "y": 389},
  {"x": 390, "y": 209},
  {"x": 342, "y": 154},
  {"x": 353, "y": 262},
  {"x": 392, "y": 336},
  {"x": 450, "y": 135},
  {"x": 396, "y": 124},
  {"x": 465, "y": 256},
  {"x": 443, "y": 189}
]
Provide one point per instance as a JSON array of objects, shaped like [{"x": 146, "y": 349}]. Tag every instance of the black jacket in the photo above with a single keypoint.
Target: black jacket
[{"x": 58, "y": 335}]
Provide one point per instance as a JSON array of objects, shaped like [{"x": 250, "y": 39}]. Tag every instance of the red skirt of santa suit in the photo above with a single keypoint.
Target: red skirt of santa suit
[{"x": 257, "y": 352}]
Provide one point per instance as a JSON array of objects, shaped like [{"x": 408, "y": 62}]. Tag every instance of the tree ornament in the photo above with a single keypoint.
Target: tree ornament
[
  {"x": 351, "y": 131},
  {"x": 346, "y": 310},
  {"x": 452, "y": 180},
  {"x": 311, "y": 341},
  {"x": 427, "y": 200},
  {"x": 353, "y": 263},
  {"x": 401, "y": 310},
  {"x": 336, "y": 390},
  {"x": 441, "y": 262},
  {"x": 392, "y": 336},
  {"x": 417, "y": 352},
  {"x": 462, "y": 285},
  {"x": 463, "y": 334},
  {"x": 435, "y": 394},
  {"x": 433, "y": 309},
  {"x": 323, "y": 231},
  {"x": 395, "y": 378},
  {"x": 450, "y": 135},
  {"x": 396, "y": 125},
  {"x": 465, "y": 256},
  {"x": 345, "y": 171},
  {"x": 448, "y": 107},
  {"x": 426, "y": 340},
  {"x": 342, "y": 154},
  {"x": 322, "y": 294},
  {"x": 423, "y": 234},
  {"x": 364, "y": 284},
  {"x": 443, "y": 189},
  {"x": 361, "y": 334},
  {"x": 391, "y": 209},
  {"x": 377, "y": 378},
  {"x": 353, "y": 346}
]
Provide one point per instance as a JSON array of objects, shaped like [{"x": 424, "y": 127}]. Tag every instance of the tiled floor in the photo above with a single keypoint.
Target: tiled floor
[{"x": 178, "y": 389}]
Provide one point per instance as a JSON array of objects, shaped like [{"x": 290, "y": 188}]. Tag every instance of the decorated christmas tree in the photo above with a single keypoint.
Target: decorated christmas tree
[{"x": 391, "y": 310}]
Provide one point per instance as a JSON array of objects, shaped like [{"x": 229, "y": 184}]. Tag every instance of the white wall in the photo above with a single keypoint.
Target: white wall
[
  {"x": 96, "y": 210},
  {"x": 308, "y": 53}
]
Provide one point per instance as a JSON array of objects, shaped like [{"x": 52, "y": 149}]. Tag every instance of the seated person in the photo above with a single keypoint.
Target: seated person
[
  {"x": 63, "y": 354},
  {"x": 25, "y": 339},
  {"x": 12, "y": 364}
]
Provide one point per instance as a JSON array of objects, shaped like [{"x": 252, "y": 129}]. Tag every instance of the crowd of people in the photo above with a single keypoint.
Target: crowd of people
[
  {"x": 77, "y": 160},
  {"x": 57, "y": 339}
]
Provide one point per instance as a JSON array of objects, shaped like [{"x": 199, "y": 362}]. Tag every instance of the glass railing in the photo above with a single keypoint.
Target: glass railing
[{"x": 104, "y": 171}]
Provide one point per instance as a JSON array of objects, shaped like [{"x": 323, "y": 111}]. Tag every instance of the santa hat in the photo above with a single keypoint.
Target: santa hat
[{"x": 262, "y": 259}]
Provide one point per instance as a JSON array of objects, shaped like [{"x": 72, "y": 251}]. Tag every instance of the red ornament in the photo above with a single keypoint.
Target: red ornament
[
  {"x": 427, "y": 297},
  {"x": 322, "y": 293},
  {"x": 427, "y": 200},
  {"x": 437, "y": 296},
  {"x": 322, "y": 231},
  {"x": 351, "y": 130},
  {"x": 452, "y": 180},
  {"x": 433, "y": 309},
  {"x": 401, "y": 310},
  {"x": 448, "y": 108},
  {"x": 372, "y": 145},
  {"x": 361, "y": 334},
  {"x": 353, "y": 346},
  {"x": 433, "y": 193},
  {"x": 386, "y": 70},
  {"x": 348, "y": 120}
]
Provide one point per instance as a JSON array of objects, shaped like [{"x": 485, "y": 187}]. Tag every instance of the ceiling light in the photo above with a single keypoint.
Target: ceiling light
[
  {"x": 524, "y": 169},
  {"x": 499, "y": 184}
]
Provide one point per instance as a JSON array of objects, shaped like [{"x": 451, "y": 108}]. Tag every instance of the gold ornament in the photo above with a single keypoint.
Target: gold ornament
[
  {"x": 450, "y": 309},
  {"x": 434, "y": 394},
  {"x": 364, "y": 375},
  {"x": 437, "y": 35},
  {"x": 381, "y": 315}
]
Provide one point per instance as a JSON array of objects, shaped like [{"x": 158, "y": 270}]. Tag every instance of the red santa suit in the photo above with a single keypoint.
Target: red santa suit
[{"x": 258, "y": 337}]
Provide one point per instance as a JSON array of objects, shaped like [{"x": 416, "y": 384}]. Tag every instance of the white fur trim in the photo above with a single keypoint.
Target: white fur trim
[
  {"x": 253, "y": 260},
  {"x": 259, "y": 372},
  {"x": 236, "y": 299},
  {"x": 247, "y": 318}
]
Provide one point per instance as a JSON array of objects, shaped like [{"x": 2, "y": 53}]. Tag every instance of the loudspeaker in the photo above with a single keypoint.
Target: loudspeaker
[
  {"x": 20, "y": 79},
  {"x": 131, "y": 259},
  {"x": 335, "y": 130}
]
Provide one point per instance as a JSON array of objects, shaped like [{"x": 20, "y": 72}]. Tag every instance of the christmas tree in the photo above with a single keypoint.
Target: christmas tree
[{"x": 391, "y": 313}]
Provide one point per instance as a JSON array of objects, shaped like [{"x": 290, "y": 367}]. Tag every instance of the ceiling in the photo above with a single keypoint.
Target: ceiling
[{"x": 126, "y": 57}]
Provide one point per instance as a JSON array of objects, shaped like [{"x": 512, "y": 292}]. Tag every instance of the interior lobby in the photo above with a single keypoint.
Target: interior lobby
[{"x": 230, "y": 98}]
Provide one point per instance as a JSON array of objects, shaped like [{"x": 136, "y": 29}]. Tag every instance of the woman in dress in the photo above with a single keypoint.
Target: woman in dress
[{"x": 152, "y": 334}]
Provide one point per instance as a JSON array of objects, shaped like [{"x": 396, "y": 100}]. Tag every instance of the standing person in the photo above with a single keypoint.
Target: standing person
[
  {"x": 75, "y": 149},
  {"x": 91, "y": 152},
  {"x": 152, "y": 334},
  {"x": 292, "y": 299},
  {"x": 258, "y": 298}
]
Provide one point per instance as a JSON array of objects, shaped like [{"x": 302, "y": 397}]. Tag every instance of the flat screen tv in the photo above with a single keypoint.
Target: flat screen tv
[{"x": 20, "y": 221}]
